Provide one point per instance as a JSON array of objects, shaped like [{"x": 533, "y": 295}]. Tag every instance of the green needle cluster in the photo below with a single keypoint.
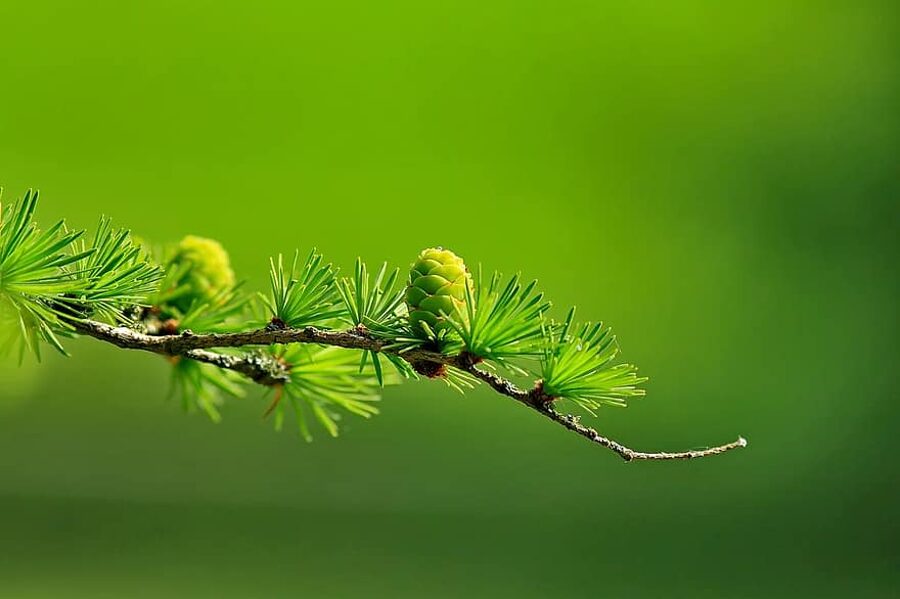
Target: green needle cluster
[{"x": 439, "y": 324}]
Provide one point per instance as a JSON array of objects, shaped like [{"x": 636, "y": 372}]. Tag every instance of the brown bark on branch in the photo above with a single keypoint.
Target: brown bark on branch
[{"x": 268, "y": 371}]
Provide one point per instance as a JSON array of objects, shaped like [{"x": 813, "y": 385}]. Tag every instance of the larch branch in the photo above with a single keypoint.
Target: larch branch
[{"x": 267, "y": 371}]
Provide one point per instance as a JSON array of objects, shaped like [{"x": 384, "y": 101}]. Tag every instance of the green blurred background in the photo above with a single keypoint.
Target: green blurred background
[{"x": 718, "y": 181}]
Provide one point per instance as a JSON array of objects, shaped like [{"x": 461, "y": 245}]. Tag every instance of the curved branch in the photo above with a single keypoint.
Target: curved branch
[
  {"x": 265, "y": 371},
  {"x": 626, "y": 453},
  {"x": 535, "y": 400}
]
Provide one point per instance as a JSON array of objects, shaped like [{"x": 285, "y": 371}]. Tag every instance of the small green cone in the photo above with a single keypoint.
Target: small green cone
[
  {"x": 437, "y": 284},
  {"x": 209, "y": 270}
]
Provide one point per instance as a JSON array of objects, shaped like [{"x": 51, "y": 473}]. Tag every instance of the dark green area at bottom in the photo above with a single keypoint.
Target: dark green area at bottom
[{"x": 97, "y": 548}]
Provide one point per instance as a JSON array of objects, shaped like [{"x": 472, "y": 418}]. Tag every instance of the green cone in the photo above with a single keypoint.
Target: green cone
[
  {"x": 208, "y": 270},
  {"x": 437, "y": 284}
]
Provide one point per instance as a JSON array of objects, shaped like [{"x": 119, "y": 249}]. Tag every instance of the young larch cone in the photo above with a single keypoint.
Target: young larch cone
[
  {"x": 437, "y": 287},
  {"x": 209, "y": 272}
]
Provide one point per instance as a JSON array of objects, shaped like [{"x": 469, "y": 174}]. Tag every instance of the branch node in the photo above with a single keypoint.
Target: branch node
[
  {"x": 169, "y": 327},
  {"x": 467, "y": 360},
  {"x": 276, "y": 324},
  {"x": 429, "y": 369},
  {"x": 538, "y": 397}
]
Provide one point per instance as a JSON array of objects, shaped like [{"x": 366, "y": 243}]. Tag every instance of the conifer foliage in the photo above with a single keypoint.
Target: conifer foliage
[{"x": 323, "y": 344}]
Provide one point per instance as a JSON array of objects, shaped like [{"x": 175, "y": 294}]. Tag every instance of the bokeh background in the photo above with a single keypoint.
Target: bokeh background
[{"x": 718, "y": 181}]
